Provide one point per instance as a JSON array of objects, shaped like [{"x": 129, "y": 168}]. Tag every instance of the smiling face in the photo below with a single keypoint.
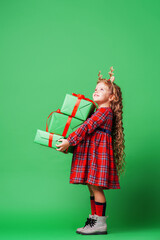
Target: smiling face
[{"x": 101, "y": 95}]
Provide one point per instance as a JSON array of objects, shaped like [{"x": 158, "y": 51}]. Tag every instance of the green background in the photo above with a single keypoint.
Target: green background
[{"x": 50, "y": 48}]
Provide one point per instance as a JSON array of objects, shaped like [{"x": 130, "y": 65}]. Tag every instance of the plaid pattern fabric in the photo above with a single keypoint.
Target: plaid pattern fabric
[{"x": 93, "y": 160}]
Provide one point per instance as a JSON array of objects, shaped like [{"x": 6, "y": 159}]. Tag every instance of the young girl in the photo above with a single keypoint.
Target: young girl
[{"x": 98, "y": 157}]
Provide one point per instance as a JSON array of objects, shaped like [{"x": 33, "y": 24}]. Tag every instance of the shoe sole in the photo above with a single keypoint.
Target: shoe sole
[{"x": 95, "y": 233}]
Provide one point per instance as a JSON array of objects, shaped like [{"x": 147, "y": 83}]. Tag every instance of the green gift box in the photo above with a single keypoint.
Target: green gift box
[
  {"x": 50, "y": 140},
  {"x": 76, "y": 105},
  {"x": 62, "y": 124}
]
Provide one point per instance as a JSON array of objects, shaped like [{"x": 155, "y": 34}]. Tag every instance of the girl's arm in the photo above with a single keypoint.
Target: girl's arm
[{"x": 88, "y": 126}]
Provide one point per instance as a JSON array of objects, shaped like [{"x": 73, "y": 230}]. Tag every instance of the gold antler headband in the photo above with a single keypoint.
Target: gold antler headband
[
  {"x": 100, "y": 76},
  {"x": 112, "y": 78}
]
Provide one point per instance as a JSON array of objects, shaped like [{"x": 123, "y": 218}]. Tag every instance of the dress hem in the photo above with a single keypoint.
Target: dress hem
[{"x": 104, "y": 187}]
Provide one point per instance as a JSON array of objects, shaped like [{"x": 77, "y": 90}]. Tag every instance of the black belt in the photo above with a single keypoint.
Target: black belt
[{"x": 104, "y": 130}]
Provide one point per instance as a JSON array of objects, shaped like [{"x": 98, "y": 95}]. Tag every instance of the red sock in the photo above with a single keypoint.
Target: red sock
[
  {"x": 100, "y": 208},
  {"x": 93, "y": 208}
]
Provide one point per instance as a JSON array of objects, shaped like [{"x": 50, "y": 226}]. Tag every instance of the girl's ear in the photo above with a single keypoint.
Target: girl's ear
[{"x": 112, "y": 97}]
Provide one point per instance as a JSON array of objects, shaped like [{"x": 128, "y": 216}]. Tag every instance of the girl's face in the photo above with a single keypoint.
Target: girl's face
[{"x": 101, "y": 94}]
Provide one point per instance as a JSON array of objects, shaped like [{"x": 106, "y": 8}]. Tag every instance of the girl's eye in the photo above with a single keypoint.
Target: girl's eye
[{"x": 101, "y": 89}]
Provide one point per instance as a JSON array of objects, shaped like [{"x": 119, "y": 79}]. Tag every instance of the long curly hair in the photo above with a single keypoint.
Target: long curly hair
[{"x": 117, "y": 126}]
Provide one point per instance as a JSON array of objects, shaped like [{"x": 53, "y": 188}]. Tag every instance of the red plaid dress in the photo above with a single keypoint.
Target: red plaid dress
[{"x": 93, "y": 160}]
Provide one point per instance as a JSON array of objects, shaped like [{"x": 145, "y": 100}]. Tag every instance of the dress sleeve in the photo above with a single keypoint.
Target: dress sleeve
[{"x": 88, "y": 126}]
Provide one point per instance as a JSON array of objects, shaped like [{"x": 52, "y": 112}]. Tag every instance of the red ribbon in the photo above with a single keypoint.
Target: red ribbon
[
  {"x": 67, "y": 123},
  {"x": 50, "y": 140},
  {"x": 79, "y": 97}
]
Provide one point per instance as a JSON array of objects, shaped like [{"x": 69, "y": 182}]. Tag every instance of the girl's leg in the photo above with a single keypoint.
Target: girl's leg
[
  {"x": 100, "y": 200},
  {"x": 92, "y": 201},
  {"x": 98, "y": 193},
  {"x": 91, "y": 192}
]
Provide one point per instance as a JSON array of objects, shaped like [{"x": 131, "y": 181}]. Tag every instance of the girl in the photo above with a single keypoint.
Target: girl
[{"x": 98, "y": 157}]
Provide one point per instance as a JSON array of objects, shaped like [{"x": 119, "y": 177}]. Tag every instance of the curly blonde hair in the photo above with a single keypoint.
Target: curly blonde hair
[{"x": 117, "y": 126}]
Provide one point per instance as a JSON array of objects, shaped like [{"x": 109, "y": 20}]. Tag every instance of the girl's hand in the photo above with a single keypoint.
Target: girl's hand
[{"x": 63, "y": 146}]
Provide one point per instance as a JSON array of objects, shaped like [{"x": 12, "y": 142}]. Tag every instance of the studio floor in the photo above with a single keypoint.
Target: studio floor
[{"x": 147, "y": 234}]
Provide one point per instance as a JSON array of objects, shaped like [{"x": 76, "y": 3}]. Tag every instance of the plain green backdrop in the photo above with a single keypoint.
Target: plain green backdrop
[{"x": 50, "y": 48}]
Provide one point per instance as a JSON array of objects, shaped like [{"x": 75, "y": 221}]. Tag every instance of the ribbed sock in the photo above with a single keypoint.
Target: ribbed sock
[
  {"x": 93, "y": 208},
  {"x": 100, "y": 208}
]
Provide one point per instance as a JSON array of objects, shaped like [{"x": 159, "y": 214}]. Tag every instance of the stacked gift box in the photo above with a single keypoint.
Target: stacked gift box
[{"x": 60, "y": 123}]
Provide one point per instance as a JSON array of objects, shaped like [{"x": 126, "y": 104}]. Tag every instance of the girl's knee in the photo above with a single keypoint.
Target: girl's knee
[{"x": 96, "y": 188}]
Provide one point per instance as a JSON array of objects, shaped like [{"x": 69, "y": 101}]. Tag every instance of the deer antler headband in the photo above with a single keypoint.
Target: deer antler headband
[{"x": 112, "y": 78}]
